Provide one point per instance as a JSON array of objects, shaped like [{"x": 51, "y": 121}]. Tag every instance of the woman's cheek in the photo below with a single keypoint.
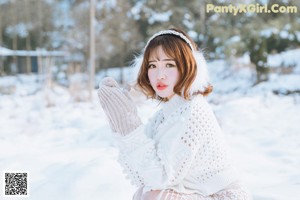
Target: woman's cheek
[
  {"x": 173, "y": 75},
  {"x": 151, "y": 77}
]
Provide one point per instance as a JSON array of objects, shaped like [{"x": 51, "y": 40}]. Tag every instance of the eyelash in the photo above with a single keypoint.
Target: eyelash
[
  {"x": 151, "y": 66},
  {"x": 168, "y": 65}
]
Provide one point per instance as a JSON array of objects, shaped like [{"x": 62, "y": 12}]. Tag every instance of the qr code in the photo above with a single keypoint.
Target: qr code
[{"x": 16, "y": 183}]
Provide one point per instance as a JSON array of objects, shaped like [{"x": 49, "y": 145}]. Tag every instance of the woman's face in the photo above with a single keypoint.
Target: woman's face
[{"x": 162, "y": 73}]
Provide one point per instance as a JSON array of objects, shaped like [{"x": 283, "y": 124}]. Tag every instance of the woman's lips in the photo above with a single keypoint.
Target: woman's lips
[{"x": 161, "y": 86}]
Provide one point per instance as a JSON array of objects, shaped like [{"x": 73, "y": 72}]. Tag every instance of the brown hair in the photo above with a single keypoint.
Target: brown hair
[{"x": 179, "y": 50}]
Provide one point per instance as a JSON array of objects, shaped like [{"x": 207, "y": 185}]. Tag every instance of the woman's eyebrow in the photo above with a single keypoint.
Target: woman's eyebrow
[{"x": 167, "y": 59}]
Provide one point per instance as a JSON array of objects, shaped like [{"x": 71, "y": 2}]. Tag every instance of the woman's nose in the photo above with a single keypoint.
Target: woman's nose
[{"x": 161, "y": 74}]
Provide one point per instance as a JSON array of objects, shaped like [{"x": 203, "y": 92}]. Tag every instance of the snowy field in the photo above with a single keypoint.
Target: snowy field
[{"x": 69, "y": 155}]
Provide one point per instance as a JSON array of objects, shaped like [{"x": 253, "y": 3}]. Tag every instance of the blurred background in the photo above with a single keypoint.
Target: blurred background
[
  {"x": 53, "y": 36},
  {"x": 53, "y": 53}
]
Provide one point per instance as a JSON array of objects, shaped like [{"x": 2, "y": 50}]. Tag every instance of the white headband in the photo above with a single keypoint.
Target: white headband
[{"x": 171, "y": 32}]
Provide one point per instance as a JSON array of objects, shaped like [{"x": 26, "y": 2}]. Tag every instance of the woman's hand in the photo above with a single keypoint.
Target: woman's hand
[{"x": 119, "y": 108}]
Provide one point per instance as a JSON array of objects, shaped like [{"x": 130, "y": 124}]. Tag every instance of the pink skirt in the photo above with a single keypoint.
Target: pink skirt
[{"x": 233, "y": 192}]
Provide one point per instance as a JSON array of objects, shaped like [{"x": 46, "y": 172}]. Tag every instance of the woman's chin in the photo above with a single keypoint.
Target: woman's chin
[{"x": 164, "y": 95}]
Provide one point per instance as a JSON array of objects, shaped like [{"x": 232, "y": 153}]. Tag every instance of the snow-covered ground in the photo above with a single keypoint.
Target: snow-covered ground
[{"x": 69, "y": 154}]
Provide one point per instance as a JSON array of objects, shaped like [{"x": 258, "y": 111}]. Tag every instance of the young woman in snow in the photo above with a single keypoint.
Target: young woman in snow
[{"x": 180, "y": 153}]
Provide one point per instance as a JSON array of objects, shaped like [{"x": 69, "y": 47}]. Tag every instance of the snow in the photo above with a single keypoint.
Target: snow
[
  {"x": 234, "y": 39},
  {"x": 38, "y": 52},
  {"x": 297, "y": 33},
  {"x": 153, "y": 16},
  {"x": 189, "y": 23},
  {"x": 5, "y": 51},
  {"x": 192, "y": 34},
  {"x": 160, "y": 17},
  {"x": 268, "y": 32},
  {"x": 68, "y": 150},
  {"x": 285, "y": 59},
  {"x": 284, "y": 34},
  {"x": 263, "y": 132},
  {"x": 280, "y": 84},
  {"x": 3, "y": 1},
  {"x": 20, "y": 29},
  {"x": 63, "y": 11},
  {"x": 136, "y": 10}
]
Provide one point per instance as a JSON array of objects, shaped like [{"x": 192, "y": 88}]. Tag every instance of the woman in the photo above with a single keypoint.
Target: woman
[{"x": 180, "y": 153}]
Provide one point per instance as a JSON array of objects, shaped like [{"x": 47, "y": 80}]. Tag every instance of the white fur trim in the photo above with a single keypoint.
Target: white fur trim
[
  {"x": 136, "y": 65},
  {"x": 202, "y": 79}
]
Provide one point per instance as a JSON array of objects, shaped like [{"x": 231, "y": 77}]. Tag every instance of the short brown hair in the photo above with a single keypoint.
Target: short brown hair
[{"x": 179, "y": 50}]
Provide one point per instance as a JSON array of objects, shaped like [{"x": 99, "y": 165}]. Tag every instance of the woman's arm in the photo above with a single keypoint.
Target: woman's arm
[
  {"x": 155, "y": 164},
  {"x": 166, "y": 162}
]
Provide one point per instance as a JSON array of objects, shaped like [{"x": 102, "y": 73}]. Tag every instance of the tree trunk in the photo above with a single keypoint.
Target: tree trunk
[
  {"x": 92, "y": 48},
  {"x": 39, "y": 23},
  {"x": 14, "y": 40},
  {"x": 1, "y": 40},
  {"x": 203, "y": 22},
  {"x": 28, "y": 46},
  {"x": 40, "y": 65}
]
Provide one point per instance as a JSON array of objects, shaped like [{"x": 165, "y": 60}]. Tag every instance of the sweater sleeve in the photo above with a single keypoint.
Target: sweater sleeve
[{"x": 164, "y": 161}]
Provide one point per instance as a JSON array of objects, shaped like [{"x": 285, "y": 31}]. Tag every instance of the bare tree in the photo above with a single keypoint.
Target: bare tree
[
  {"x": 1, "y": 41},
  {"x": 15, "y": 35},
  {"x": 28, "y": 45},
  {"x": 92, "y": 49}
]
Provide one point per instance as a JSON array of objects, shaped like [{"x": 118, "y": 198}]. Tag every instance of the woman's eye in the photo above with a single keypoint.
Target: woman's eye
[
  {"x": 169, "y": 65},
  {"x": 151, "y": 66}
]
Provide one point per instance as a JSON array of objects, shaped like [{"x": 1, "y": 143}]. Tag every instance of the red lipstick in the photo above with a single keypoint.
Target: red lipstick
[{"x": 161, "y": 86}]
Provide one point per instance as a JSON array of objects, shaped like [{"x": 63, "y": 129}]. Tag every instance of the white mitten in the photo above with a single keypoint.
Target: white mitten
[{"x": 118, "y": 106}]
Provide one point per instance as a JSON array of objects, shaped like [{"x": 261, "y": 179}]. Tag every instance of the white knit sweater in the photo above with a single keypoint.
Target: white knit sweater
[{"x": 181, "y": 148}]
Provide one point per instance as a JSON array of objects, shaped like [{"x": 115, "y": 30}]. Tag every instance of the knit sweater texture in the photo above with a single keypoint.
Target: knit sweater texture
[{"x": 181, "y": 148}]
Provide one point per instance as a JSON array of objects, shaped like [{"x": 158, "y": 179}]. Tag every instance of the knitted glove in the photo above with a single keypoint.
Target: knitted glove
[{"x": 118, "y": 106}]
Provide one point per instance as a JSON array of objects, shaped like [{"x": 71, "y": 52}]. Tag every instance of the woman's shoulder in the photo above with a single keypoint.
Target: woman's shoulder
[
  {"x": 185, "y": 107},
  {"x": 199, "y": 101},
  {"x": 199, "y": 107}
]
